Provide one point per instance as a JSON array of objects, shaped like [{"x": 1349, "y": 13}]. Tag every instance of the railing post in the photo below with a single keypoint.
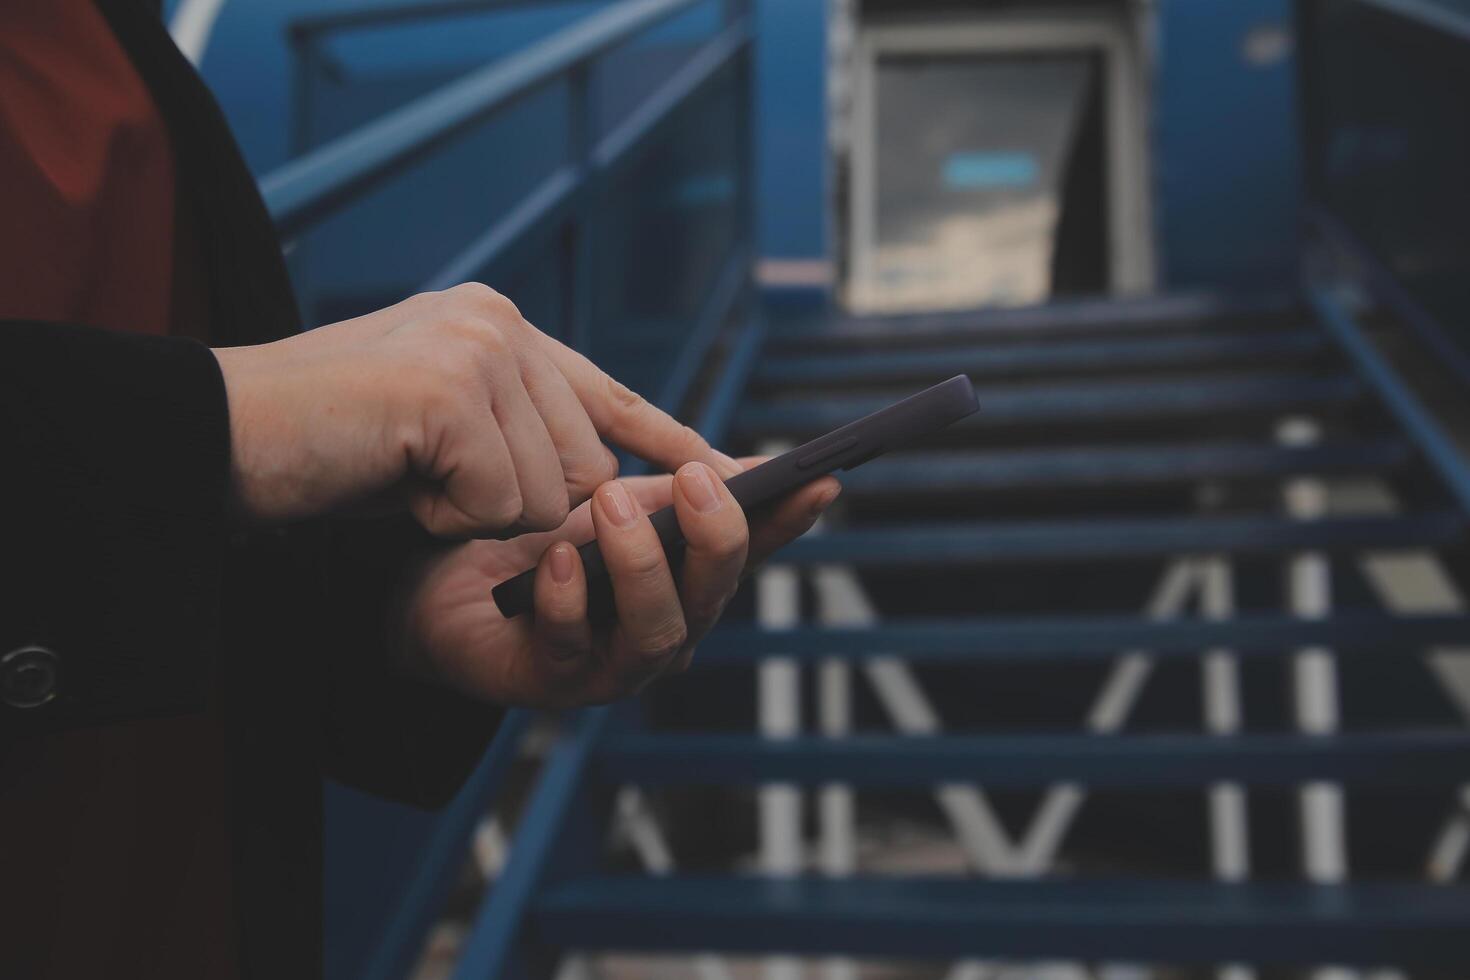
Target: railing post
[{"x": 578, "y": 238}]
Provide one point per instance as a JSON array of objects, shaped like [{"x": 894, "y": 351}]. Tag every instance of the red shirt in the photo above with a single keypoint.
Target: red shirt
[{"x": 116, "y": 855}]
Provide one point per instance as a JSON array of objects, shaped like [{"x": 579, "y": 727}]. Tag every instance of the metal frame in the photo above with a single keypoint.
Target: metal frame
[{"x": 1130, "y": 222}]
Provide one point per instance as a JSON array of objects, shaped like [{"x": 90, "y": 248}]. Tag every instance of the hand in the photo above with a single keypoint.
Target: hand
[
  {"x": 450, "y": 628},
  {"x": 449, "y": 402}
]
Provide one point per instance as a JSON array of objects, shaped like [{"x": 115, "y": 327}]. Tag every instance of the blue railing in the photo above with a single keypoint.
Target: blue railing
[
  {"x": 554, "y": 222},
  {"x": 1386, "y": 146},
  {"x": 560, "y": 213}
]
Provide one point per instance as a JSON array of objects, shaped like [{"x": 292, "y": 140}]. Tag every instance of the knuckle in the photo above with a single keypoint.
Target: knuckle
[
  {"x": 546, "y": 513},
  {"x": 608, "y": 467},
  {"x": 711, "y": 610},
  {"x": 731, "y": 540},
  {"x": 693, "y": 444},
  {"x": 507, "y": 510},
  {"x": 460, "y": 342},
  {"x": 486, "y": 301},
  {"x": 473, "y": 294},
  {"x": 645, "y": 564},
  {"x": 664, "y": 640},
  {"x": 622, "y": 396},
  {"x": 584, "y": 475}
]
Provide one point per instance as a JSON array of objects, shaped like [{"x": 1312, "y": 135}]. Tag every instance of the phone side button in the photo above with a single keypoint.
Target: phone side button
[{"x": 821, "y": 454}]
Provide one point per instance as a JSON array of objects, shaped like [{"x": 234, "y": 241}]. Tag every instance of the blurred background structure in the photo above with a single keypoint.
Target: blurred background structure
[{"x": 1157, "y": 668}]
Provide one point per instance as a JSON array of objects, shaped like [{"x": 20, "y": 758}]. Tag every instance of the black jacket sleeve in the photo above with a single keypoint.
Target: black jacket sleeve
[
  {"x": 384, "y": 732},
  {"x": 114, "y": 451}
]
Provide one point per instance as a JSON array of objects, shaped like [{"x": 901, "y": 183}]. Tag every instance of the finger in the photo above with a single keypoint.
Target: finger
[
  {"x": 586, "y": 463},
  {"x": 468, "y": 482},
  {"x": 650, "y": 627},
  {"x": 539, "y": 476},
  {"x": 626, "y": 419},
  {"x": 562, "y": 635},
  {"x": 789, "y": 518},
  {"x": 653, "y": 492},
  {"x": 717, "y": 538}
]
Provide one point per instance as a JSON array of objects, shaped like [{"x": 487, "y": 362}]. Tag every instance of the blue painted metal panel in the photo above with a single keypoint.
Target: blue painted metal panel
[
  {"x": 791, "y": 113},
  {"x": 1225, "y": 144},
  {"x": 932, "y": 918}
]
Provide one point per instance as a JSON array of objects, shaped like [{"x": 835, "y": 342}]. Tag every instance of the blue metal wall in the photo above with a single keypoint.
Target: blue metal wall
[
  {"x": 791, "y": 126},
  {"x": 1225, "y": 144},
  {"x": 1225, "y": 141}
]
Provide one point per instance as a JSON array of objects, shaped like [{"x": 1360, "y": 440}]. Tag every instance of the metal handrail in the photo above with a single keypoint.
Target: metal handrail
[
  {"x": 558, "y": 191},
  {"x": 309, "y": 188}
]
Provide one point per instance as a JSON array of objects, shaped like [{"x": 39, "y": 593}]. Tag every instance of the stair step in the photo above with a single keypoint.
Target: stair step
[
  {"x": 935, "y": 545},
  {"x": 1427, "y": 758},
  {"x": 1161, "y": 921},
  {"x": 1083, "y": 638},
  {"x": 1091, "y": 403},
  {"x": 965, "y": 472},
  {"x": 1007, "y": 362},
  {"x": 1083, "y": 318}
]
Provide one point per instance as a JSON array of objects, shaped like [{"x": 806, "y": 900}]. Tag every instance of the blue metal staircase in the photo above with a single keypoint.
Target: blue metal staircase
[
  {"x": 557, "y": 894},
  {"x": 1117, "y": 439}
]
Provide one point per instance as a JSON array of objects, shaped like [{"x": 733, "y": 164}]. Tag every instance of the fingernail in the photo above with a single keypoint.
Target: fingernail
[
  {"x": 561, "y": 563},
  {"x": 825, "y": 500},
  {"x": 728, "y": 464},
  {"x": 617, "y": 504},
  {"x": 699, "y": 486}
]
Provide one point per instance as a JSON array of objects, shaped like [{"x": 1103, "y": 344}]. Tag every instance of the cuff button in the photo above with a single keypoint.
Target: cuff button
[{"x": 28, "y": 676}]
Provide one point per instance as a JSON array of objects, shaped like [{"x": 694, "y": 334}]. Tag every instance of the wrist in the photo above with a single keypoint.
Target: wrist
[{"x": 248, "y": 408}]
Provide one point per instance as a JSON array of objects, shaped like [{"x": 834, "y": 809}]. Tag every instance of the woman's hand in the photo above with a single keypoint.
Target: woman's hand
[
  {"x": 449, "y": 403},
  {"x": 450, "y": 628}
]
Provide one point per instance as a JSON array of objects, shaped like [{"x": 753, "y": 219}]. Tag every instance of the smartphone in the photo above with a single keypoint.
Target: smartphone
[{"x": 898, "y": 425}]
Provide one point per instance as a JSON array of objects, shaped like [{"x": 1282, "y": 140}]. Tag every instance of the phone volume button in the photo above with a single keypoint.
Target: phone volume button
[{"x": 822, "y": 454}]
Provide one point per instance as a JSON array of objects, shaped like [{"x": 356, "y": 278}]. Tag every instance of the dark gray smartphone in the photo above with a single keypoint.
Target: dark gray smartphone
[{"x": 841, "y": 449}]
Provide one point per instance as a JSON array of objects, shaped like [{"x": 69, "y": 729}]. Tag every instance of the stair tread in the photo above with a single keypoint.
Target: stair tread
[
  {"x": 1086, "y": 466},
  {"x": 979, "y": 543},
  {"x": 1005, "y": 361},
  {"x": 1110, "y": 316},
  {"x": 1438, "y": 757},
  {"x": 1084, "y": 637},
  {"x": 1147, "y": 920},
  {"x": 1091, "y": 402}
]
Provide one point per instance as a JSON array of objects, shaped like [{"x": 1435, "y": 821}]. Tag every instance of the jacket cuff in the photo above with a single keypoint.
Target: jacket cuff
[{"x": 115, "y": 517}]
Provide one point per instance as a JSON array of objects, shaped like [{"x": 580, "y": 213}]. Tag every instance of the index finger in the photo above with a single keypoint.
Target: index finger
[{"x": 628, "y": 420}]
